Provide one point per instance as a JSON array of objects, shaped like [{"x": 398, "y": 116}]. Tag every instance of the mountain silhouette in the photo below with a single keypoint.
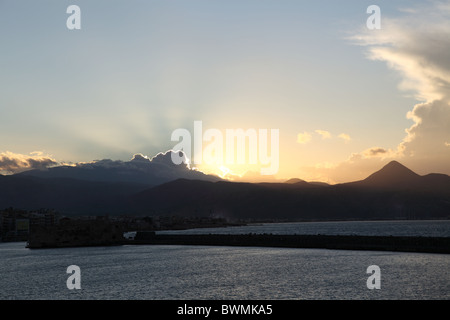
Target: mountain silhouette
[
  {"x": 393, "y": 192},
  {"x": 436, "y": 182},
  {"x": 69, "y": 196},
  {"x": 394, "y": 174},
  {"x": 295, "y": 180}
]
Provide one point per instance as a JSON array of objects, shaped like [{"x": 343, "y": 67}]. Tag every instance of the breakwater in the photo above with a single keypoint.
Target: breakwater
[
  {"x": 340, "y": 242},
  {"x": 104, "y": 233}
]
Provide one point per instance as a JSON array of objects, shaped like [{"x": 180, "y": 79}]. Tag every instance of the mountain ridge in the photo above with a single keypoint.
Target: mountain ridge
[
  {"x": 392, "y": 191},
  {"x": 382, "y": 195},
  {"x": 394, "y": 175}
]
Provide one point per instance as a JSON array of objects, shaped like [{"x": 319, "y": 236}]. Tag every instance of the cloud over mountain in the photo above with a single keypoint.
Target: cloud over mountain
[
  {"x": 14, "y": 162},
  {"x": 140, "y": 169}
]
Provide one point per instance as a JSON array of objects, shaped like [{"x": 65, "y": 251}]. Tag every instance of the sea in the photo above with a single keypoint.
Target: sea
[{"x": 177, "y": 272}]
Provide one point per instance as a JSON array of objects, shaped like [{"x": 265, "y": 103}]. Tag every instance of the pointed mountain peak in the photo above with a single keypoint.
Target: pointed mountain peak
[
  {"x": 397, "y": 169},
  {"x": 395, "y": 165},
  {"x": 393, "y": 174}
]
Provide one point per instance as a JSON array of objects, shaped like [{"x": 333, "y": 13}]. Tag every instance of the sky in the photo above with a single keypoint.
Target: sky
[{"x": 345, "y": 99}]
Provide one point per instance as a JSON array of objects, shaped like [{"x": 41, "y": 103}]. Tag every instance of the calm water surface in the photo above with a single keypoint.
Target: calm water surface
[
  {"x": 190, "y": 272},
  {"x": 202, "y": 272}
]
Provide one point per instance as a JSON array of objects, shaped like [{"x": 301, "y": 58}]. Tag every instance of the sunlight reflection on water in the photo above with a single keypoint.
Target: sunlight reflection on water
[{"x": 188, "y": 272}]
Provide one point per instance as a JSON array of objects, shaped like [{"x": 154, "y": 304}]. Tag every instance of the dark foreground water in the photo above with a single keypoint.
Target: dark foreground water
[
  {"x": 188, "y": 272},
  {"x": 201, "y": 272}
]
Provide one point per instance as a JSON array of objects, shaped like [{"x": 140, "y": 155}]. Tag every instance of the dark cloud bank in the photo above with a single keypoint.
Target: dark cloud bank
[{"x": 139, "y": 169}]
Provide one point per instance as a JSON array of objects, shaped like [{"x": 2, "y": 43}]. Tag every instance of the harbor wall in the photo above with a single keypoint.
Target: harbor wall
[{"x": 379, "y": 243}]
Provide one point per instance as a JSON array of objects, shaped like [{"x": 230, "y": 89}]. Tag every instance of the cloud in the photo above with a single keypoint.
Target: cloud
[
  {"x": 374, "y": 152},
  {"x": 377, "y": 152},
  {"x": 356, "y": 167},
  {"x": 166, "y": 158},
  {"x": 11, "y": 163},
  {"x": 417, "y": 45},
  {"x": 304, "y": 138},
  {"x": 228, "y": 174},
  {"x": 160, "y": 162},
  {"x": 344, "y": 137},
  {"x": 139, "y": 157},
  {"x": 324, "y": 134},
  {"x": 140, "y": 169}
]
